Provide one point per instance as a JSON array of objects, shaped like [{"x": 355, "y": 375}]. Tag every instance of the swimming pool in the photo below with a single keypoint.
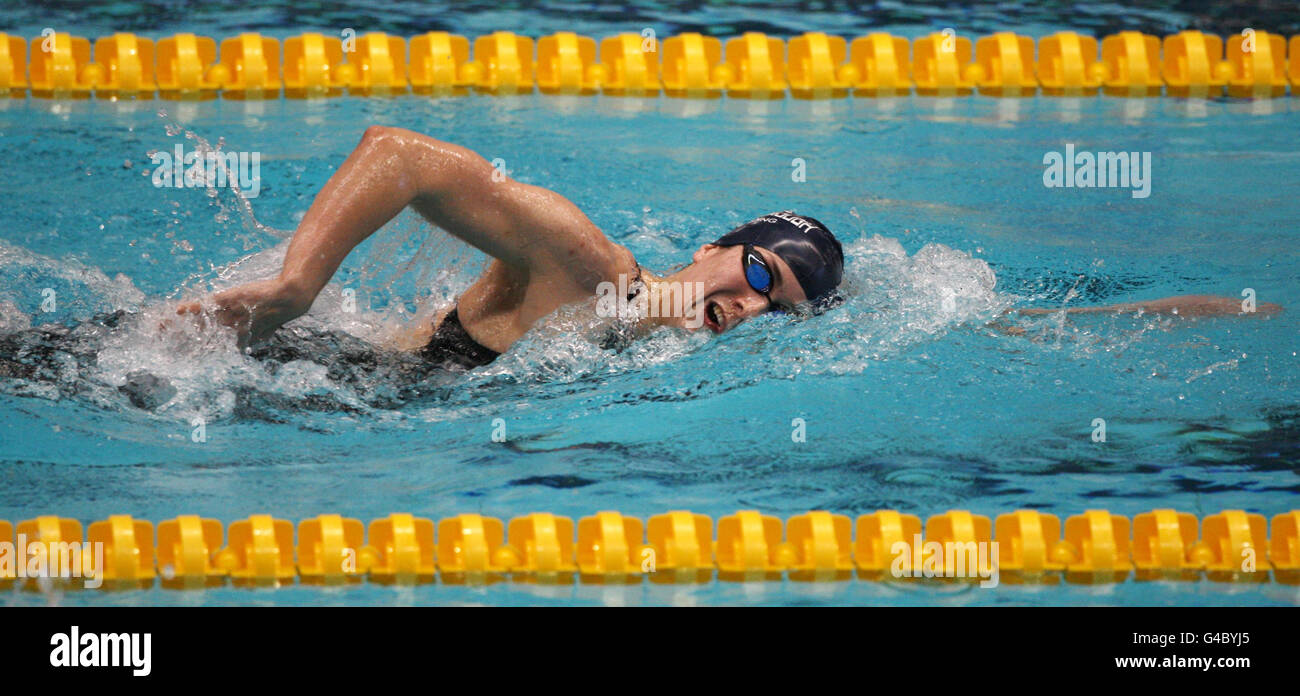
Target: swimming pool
[{"x": 910, "y": 402}]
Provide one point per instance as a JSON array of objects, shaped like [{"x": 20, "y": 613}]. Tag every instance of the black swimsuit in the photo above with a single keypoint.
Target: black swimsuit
[{"x": 452, "y": 345}]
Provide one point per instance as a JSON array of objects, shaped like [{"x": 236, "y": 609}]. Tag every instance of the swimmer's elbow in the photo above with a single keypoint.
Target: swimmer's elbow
[
  {"x": 377, "y": 132},
  {"x": 385, "y": 135},
  {"x": 434, "y": 171}
]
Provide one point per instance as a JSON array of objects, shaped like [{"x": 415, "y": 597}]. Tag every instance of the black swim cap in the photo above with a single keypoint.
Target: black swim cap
[{"x": 805, "y": 244}]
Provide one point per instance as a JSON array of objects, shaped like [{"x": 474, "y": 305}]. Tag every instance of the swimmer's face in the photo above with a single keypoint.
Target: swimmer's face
[{"x": 727, "y": 298}]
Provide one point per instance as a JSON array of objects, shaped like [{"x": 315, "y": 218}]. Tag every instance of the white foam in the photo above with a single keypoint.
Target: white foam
[{"x": 117, "y": 292}]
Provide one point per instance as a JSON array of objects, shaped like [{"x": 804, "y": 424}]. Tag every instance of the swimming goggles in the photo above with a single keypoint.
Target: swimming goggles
[{"x": 758, "y": 274}]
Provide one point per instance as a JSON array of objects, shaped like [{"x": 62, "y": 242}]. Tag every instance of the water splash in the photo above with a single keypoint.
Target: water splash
[
  {"x": 85, "y": 289},
  {"x": 893, "y": 301},
  {"x": 236, "y": 200}
]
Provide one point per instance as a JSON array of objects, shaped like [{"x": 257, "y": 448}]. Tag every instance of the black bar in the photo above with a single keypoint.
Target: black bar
[{"x": 298, "y": 646}]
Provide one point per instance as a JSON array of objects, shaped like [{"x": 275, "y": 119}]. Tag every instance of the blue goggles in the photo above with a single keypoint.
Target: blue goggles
[{"x": 757, "y": 273}]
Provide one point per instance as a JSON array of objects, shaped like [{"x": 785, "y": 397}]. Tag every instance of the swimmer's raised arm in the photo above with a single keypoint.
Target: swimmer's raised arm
[
  {"x": 526, "y": 227},
  {"x": 534, "y": 234}
]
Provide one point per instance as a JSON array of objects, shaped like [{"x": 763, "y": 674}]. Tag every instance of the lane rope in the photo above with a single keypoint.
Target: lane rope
[
  {"x": 815, "y": 65},
  {"x": 1024, "y": 546}
]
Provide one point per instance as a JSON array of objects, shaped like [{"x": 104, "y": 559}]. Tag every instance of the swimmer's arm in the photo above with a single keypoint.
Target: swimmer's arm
[
  {"x": 1182, "y": 305},
  {"x": 534, "y": 233},
  {"x": 528, "y": 228}
]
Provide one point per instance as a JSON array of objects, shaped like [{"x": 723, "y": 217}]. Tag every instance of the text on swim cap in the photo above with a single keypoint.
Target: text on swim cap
[{"x": 800, "y": 223}]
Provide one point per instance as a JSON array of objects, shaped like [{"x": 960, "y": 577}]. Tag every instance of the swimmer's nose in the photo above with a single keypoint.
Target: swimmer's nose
[
  {"x": 749, "y": 305},
  {"x": 741, "y": 307}
]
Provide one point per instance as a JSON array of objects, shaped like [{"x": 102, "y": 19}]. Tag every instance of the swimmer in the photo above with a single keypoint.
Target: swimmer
[{"x": 546, "y": 254}]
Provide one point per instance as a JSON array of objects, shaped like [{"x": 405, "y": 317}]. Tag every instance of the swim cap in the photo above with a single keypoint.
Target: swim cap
[{"x": 805, "y": 244}]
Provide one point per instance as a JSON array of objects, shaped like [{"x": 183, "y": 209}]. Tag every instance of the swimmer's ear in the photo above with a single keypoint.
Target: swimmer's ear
[
  {"x": 805, "y": 310},
  {"x": 703, "y": 251}
]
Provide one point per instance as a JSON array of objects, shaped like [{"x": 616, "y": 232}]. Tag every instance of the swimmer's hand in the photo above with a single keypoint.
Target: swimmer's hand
[{"x": 254, "y": 310}]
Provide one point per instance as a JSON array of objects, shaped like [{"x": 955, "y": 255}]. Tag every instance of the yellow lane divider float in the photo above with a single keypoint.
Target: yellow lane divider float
[
  {"x": 676, "y": 547},
  {"x": 814, "y": 65},
  {"x": 182, "y": 67}
]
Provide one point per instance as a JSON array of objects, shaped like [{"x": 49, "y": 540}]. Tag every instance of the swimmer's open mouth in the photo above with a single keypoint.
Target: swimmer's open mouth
[{"x": 712, "y": 317}]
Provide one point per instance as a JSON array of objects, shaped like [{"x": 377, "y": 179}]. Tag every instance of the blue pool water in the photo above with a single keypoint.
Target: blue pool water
[{"x": 910, "y": 401}]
